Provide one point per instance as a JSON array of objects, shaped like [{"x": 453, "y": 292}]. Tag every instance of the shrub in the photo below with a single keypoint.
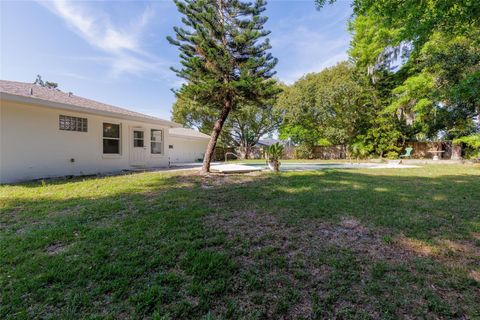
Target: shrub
[
  {"x": 471, "y": 144},
  {"x": 304, "y": 151},
  {"x": 392, "y": 155},
  {"x": 275, "y": 152},
  {"x": 360, "y": 150}
]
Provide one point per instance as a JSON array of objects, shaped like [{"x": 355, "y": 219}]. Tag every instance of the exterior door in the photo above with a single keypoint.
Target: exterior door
[{"x": 138, "y": 148}]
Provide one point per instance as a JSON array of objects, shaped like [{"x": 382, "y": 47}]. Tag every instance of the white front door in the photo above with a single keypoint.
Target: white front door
[{"x": 138, "y": 148}]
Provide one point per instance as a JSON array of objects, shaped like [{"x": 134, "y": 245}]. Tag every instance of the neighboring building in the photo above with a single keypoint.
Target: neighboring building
[
  {"x": 187, "y": 145},
  {"x": 268, "y": 142},
  {"x": 45, "y": 132}
]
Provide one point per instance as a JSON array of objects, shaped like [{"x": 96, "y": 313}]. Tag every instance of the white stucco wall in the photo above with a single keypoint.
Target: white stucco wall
[
  {"x": 32, "y": 146},
  {"x": 186, "y": 149}
]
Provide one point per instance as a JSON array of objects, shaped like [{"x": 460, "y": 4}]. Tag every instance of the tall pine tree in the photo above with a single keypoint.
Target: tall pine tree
[{"x": 224, "y": 56}]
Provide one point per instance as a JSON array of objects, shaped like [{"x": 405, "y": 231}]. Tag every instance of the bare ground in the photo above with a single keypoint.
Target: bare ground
[{"x": 300, "y": 256}]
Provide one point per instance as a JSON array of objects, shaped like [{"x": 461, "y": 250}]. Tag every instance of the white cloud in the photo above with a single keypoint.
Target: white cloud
[{"x": 121, "y": 44}]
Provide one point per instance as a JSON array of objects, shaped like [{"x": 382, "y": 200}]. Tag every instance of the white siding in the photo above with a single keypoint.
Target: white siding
[
  {"x": 32, "y": 146},
  {"x": 187, "y": 149}
]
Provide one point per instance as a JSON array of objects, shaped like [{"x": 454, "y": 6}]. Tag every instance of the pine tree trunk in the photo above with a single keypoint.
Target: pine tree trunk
[{"x": 217, "y": 128}]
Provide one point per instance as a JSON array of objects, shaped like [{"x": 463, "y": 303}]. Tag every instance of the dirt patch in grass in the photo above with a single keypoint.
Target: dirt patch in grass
[
  {"x": 218, "y": 179},
  {"x": 295, "y": 261},
  {"x": 56, "y": 248},
  {"x": 70, "y": 211},
  {"x": 459, "y": 254},
  {"x": 314, "y": 269},
  {"x": 475, "y": 275}
]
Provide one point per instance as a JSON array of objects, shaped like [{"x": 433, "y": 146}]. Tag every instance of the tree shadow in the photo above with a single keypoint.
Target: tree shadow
[{"x": 119, "y": 240}]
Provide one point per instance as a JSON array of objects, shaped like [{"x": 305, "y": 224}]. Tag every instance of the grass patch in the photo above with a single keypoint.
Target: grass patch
[{"x": 381, "y": 243}]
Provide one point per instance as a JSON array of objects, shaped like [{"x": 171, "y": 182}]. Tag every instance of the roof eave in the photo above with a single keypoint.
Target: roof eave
[
  {"x": 71, "y": 107},
  {"x": 188, "y": 136}
]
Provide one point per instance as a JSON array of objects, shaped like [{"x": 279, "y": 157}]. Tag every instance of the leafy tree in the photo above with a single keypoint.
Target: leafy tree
[
  {"x": 471, "y": 145},
  {"x": 47, "y": 84},
  {"x": 224, "y": 57},
  {"x": 415, "y": 20},
  {"x": 192, "y": 114},
  {"x": 429, "y": 50},
  {"x": 383, "y": 136},
  {"x": 330, "y": 106},
  {"x": 249, "y": 123},
  {"x": 243, "y": 128}
]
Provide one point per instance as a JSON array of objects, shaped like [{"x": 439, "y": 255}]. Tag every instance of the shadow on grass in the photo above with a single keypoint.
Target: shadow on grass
[{"x": 137, "y": 245}]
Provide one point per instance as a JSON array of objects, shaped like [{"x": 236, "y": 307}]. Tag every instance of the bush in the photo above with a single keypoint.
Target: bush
[
  {"x": 304, "y": 151},
  {"x": 275, "y": 152},
  {"x": 360, "y": 150},
  {"x": 392, "y": 155},
  {"x": 471, "y": 145}
]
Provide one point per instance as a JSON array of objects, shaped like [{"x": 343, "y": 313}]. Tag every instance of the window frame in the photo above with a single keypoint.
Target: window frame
[
  {"x": 135, "y": 139},
  {"x": 162, "y": 142},
  {"x": 119, "y": 139},
  {"x": 75, "y": 123}
]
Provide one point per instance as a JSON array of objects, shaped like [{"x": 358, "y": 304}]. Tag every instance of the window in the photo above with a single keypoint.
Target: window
[
  {"x": 156, "y": 141},
  {"x": 69, "y": 123},
  {"x": 138, "y": 139},
  {"x": 111, "y": 138}
]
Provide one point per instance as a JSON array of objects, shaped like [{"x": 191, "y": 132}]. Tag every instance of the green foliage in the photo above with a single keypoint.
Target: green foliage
[
  {"x": 192, "y": 114},
  {"x": 360, "y": 149},
  {"x": 224, "y": 57},
  {"x": 471, "y": 141},
  {"x": 471, "y": 144},
  {"x": 416, "y": 20},
  {"x": 392, "y": 155},
  {"x": 47, "y": 84},
  {"x": 442, "y": 90},
  {"x": 369, "y": 42},
  {"x": 384, "y": 136},
  {"x": 249, "y": 123},
  {"x": 275, "y": 151},
  {"x": 423, "y": 61},
  {"x": 244, "y": 126},
  {"x": 329, "y": 106},
  {"x": 304, "y": 151}
]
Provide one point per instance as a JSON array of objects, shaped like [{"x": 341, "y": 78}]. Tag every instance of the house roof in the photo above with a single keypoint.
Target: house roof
[
  {"x": 269, "y": 142},
  {"x": 188, "y": 133},
  {"x": 35, "y": 94}
]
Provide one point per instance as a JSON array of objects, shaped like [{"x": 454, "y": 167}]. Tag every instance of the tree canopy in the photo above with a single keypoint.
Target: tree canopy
[
  {"x": 331, "y": 106},
  {"x": 243, "y": 128},
  {"x": 224, "y": 57},
  {"x": 422, "y": 62}
]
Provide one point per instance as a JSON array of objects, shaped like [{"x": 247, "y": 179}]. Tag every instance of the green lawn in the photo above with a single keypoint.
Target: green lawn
[{"x": 379, "y": 243}]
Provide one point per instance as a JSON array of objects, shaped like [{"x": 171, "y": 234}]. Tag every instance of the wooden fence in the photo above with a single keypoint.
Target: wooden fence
[{"x": 420, "y": 151}]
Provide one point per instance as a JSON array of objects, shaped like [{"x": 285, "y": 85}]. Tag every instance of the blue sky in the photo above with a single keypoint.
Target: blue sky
[{"x": 116, "y": 51}]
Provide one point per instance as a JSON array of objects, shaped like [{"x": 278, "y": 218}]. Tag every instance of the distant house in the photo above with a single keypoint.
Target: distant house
[
  {"x": 45, "y": 132},
  {"x": 268, "y": 142}
]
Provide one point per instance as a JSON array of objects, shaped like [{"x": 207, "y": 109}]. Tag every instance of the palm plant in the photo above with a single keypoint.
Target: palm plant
[{"x": 274, "y": 153}]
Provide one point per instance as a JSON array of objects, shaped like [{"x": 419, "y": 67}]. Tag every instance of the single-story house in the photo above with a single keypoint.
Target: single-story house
[{"x": 45, "y": 132}]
